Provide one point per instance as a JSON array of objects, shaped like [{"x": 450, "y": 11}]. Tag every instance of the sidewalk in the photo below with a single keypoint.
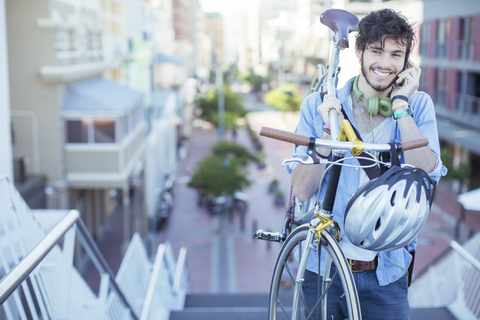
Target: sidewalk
[{"x": 222, "y": 257}]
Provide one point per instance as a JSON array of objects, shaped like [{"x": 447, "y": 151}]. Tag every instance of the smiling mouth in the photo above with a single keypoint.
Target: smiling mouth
[{"x": 381, "y": 74}]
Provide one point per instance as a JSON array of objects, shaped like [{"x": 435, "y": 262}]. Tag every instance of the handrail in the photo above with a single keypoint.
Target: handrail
[
  {"x": 23, "y": 269},
  {"x": 464, "y": 254},
  {"x": 157, "y": 266},
  {"x": 181, "y": 265},
  {"x": 97, "y": 259}
]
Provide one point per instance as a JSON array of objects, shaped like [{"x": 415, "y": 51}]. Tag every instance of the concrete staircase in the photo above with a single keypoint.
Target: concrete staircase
[{"x": 254, "y": 307}]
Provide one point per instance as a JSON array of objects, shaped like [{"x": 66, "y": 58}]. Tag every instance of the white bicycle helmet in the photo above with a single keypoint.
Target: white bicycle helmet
[{"x": 387, "y": 213}]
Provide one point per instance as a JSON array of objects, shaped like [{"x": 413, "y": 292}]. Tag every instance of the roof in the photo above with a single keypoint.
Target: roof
[
  {"x": 453, "y": 132},
  {"x": 165, "y": 58},
  {"x": 100, "y": 96},
  {"x": 469, "y": 200}
]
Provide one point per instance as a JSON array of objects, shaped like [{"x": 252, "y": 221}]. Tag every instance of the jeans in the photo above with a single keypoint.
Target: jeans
[{"x": 376, "y": 302}]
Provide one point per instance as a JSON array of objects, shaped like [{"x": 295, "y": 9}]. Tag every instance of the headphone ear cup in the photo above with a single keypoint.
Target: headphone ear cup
[
  {"x": 372, "y": 106},
  {"x": 385, "y": 107}
]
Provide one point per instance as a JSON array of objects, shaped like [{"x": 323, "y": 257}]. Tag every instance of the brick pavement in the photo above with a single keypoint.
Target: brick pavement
[{"x": 222, "y": 257}]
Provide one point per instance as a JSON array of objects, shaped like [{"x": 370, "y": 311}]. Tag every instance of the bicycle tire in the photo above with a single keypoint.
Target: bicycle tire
[{"x": 281, "y": 301}]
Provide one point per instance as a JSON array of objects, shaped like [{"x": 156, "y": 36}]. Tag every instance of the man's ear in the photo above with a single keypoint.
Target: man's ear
[{"x": 358, "y": 53}]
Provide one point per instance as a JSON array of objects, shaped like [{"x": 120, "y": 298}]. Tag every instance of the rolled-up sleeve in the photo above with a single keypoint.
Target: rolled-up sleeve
[
  {"x": 309, "y": 120},
  {"x": 424, "y": 117}
]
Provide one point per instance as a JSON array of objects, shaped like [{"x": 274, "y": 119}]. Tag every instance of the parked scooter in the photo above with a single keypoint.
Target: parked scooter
[
  {"x": 240, "y": 201},
  {"x": 225, "y": 203},
  {"x": 164, "y": 202}
]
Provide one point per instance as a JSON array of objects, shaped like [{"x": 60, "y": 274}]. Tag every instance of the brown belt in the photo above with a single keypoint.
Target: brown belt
[{"x": 356, "y": 265}]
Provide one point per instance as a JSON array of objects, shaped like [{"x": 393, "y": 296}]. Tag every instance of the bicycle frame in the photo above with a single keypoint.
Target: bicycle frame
[{"x": 323, "y": 220}]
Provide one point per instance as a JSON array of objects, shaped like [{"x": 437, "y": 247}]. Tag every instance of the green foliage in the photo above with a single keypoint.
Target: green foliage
[
  {"x": 234, "y": 152},
  {"x": 233, "y": 107},
  {"x": 461, "y": 173},
  {"x": 285, "y": 98},
  {"x": 217, "y": 175},
  {"x": 251, "y": 77}
]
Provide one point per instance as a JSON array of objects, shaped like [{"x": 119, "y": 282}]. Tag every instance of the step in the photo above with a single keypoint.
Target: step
[
  {"x": 224, "y": 306},
  {"x": 255, "y": 307}
]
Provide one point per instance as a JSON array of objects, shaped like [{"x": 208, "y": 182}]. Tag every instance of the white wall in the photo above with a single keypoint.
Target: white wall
[{"x": 5, "y": 132}]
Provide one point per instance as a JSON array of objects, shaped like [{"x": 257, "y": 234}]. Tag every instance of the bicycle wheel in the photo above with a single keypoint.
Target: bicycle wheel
[{"x": 287, "y": 301}]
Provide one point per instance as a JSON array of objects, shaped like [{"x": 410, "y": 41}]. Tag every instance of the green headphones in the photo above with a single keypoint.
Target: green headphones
[{"x": 375, "y": 105}]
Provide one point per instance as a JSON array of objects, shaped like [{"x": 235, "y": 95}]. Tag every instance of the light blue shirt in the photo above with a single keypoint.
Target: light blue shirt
[{"x": 392, "y": 265}]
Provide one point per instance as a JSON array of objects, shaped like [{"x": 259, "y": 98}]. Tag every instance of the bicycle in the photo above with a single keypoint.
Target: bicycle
[{"x": 322, "y": 232}]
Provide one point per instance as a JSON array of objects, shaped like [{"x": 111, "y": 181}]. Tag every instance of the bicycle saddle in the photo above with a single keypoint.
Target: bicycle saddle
[{"x": 341, "y": 22}]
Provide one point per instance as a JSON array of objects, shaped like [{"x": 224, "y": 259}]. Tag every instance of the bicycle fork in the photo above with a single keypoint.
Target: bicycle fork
[{"x": 301, "y": 272}]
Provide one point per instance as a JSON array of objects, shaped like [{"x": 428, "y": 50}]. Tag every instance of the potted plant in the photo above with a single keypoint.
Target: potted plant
[
  {"x": 273, "y": 186},
  {"x": 279, "y": 199}
]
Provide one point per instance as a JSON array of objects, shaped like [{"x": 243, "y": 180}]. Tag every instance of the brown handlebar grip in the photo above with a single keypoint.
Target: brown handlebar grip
[
  {"x": 284, "y": 136},
  {"x": 414, "y": 144}
]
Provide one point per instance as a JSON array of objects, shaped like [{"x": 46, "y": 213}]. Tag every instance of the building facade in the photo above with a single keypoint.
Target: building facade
[
  {"x": 450, "y": 51},
  {"x": 81, "y": 82}
]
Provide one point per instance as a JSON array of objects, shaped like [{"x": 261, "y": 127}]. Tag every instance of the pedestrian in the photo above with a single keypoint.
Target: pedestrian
[
  {"x": 383, "y": 43},
  {"x": 234, "y": 134}
]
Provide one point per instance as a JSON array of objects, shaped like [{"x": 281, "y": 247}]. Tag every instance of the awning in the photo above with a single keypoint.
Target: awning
[
  {"x": 470, "y": 200},
  {"x": 165, "y": 58},
  {"x": 315, "y": 60},
  {"x": 456, "y": 133},
  {"x": 100, "y": 96}
]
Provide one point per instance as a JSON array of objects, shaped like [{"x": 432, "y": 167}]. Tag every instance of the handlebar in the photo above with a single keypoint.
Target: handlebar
[{"x": 342, "y": 145}]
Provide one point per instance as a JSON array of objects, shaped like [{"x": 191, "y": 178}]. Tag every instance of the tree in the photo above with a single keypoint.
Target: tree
[
  {"x": 460, "y": 173},
  {"x": 233, "y": 107},
  {"x": 255, "y": 80},
  {"x": 234, "y": 152},
  {"x": 285, "y": 98},
  {"x": 218, "y": 175}
]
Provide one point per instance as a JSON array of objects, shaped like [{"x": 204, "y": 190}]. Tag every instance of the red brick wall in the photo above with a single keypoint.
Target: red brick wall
[
  {"x": 451, "y": 87},
  {"x": 432, "y": 38},
  {"x": 453, "y": 37},
  {"x": 430, "y": 81},
  {"x": 476, "y": 37}
]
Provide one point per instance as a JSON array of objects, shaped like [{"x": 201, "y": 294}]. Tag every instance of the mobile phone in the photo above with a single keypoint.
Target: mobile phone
[{"x": 407, "y": 56}]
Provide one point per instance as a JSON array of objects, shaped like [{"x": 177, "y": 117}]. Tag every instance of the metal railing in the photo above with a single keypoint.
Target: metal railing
[
  {"x": 40, "y": 281},
  {"x": 453, "y": 282},
  {"x": 22, "y": 270},
  {"x": 465, "y": 50}
]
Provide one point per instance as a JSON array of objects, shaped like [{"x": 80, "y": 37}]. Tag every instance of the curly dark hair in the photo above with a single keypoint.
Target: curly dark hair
[{"x": 380, "y": 25}]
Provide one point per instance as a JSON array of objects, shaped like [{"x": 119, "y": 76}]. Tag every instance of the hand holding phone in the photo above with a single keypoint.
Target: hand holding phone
[
  {"x": 407, "y": 56},
  {"x": 408, "y": 80}
]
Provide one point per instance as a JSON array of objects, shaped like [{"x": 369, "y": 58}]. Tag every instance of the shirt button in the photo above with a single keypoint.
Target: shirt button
[{"x": 356, "y": 169}]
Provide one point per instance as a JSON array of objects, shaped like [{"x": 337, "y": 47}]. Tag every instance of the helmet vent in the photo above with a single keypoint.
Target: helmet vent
[
  {"x": 378, "y": 224},
  {"x": 392, "y": 199}
]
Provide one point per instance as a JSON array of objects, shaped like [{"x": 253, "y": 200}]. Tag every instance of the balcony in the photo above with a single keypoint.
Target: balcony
[
  {"x": 104, "y": 132},
  {"x": 465, "y": 50},
  {"x": 104, "y": 165},
  {"x": 441, "y": 49},
  {"x": 469, "y": 106}
]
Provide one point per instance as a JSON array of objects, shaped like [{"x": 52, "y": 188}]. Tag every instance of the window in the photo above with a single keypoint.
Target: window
[
  {"x": 88, "y": 131},
  {"x": 104, "y": 131},
  {"x": 77, "y": 131}
]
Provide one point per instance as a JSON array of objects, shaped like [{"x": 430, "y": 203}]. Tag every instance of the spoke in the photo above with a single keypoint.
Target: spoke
[
  {"x": 283, "y": 308},
  {"x": 322, "y": 296},
  {"x": 289, "y": 272}
]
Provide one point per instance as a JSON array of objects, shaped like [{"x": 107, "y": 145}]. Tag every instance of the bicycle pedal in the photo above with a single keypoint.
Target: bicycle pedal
[{"x": 267, "y": 235}]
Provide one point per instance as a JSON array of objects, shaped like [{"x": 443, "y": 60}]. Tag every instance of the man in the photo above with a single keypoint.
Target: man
[{"x": 383, "y": 43}]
